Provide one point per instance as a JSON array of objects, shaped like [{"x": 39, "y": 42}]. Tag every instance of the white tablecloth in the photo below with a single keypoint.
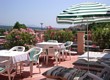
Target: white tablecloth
[
  {"x": 96, "y": 55},
  {"x": 17, "y": 56},
  {"x": 47, "y": 45}
]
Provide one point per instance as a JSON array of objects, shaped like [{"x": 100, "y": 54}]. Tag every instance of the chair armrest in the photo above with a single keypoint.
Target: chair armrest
[{"x": 4, "y": 61}]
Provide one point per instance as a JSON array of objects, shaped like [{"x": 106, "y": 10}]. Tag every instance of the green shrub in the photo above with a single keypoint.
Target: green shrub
[
  {"x": 101, "y": 36},
  {"x": 60, "y": 35},
  {"x": 20, "y": 37}
]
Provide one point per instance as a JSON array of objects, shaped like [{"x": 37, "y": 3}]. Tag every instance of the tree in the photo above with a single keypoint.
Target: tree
[
  {"x": 101, "y": 36},
  {"x": 2, "y": 31},
  {"x": 99, "y": 25},
  {"x": 18, "y": 26},
  {"x": 60, "y": 35},
  {"x": 21, "y": 37}
]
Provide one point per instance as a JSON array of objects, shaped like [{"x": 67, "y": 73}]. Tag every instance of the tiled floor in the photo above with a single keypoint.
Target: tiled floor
[{"x": 36, "y": 76}]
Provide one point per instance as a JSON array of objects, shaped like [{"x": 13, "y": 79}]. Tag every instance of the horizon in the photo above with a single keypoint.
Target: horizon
[
  {"x": 34, "y": 27},
  {"x": 33, "y": 12}
]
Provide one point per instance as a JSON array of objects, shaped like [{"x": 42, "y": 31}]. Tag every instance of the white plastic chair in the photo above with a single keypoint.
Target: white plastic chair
[
  {"x": 34, "y": 54},
  {"x": 68, "y": 48},
  {"x": 62, "y": 50},
  {"x": 18, "y": 48},
  {"x": 45, "y": 49},
  {"x": 6, "y": 66},
  {"x": 21, "y": 49},
  {"x": 53, "y": 51}
]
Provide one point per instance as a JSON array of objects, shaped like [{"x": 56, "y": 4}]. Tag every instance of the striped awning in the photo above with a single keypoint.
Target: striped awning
[{"x": 85, "y": 12}]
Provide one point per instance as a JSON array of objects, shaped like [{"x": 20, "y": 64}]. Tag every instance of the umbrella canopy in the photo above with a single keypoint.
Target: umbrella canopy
[
  {"x": 85, "y": 13},
  {"x": 88, "y": 12}
]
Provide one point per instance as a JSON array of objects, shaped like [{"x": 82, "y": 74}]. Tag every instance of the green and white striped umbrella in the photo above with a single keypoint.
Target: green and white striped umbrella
[{"x": 85, "y": 13}]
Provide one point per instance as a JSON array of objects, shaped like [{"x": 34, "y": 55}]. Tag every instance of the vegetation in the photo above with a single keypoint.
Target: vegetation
[
  {"x": 20, "y": 37},
  {"x": 94, "y": 26},
  {"x": 60, "y": 35},
  {"x": 101, "y": 34},
  {"x": 18, "y": 26},
  {"x": 2, "y": 32}
]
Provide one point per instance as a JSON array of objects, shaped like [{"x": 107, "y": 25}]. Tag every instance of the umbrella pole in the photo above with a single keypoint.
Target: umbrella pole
[{"x": 87, "y": 46}]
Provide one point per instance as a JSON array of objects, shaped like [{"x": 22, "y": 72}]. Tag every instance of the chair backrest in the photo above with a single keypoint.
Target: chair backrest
[
  {"x": 52, "y": 49},
  {"x": 34, "y": 53},
  {"x": 55, "y": 41},
  {"x": 18, "y": 48},
  {"x": 68, "y": 44}
]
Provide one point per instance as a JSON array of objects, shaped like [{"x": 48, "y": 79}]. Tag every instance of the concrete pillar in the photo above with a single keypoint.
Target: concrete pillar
[{"x": 81, "y": 42}]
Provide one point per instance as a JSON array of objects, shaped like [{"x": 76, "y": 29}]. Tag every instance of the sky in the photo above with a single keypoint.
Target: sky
[{"x": 34, "y": 12}]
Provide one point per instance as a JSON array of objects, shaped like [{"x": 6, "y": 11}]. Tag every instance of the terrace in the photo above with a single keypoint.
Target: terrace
[
  {"x": 68, "y": 63},
  {"x": 44, "y": 67},
  {"x": 36, "y": 76}
]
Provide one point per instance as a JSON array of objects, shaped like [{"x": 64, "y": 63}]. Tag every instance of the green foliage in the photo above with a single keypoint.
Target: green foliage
[
  {"x": 2, "y": 32},
  {"x": 94, "y": 26},
  {"x": 101, "y": 36},
  {"x": 60, "y": 35},
  {"x": 18, "y": 26},
  {"x": 20, "y": 37}
]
